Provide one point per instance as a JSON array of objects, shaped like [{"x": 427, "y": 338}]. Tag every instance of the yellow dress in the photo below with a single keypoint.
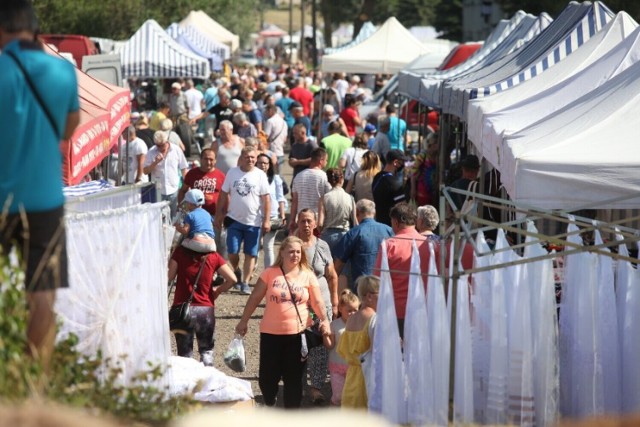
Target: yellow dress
[{"x": 351, "y": 345}]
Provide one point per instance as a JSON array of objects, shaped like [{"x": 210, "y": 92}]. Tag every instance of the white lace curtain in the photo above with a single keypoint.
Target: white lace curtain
[{"x": 117, "y": 298}]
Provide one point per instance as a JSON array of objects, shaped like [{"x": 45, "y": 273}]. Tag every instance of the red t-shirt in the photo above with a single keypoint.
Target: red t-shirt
[
  {"x": 347, "y": 115},
  {"x": 304, "y": 97},
  {"x": 210, "y": 183},
  {"x": 188, "y": 267}
]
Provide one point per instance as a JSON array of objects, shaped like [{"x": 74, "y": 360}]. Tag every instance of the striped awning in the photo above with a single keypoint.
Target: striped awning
[
  {"x": 595, "y": 18},
  {"x": 201, "y": 41},
  {"x": 184, "y": 39},
  {"x": 152, "y": 53},
  {"x": 577, "y": 23}
]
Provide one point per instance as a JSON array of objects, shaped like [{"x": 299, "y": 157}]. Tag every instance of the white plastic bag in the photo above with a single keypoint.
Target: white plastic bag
[{"x": 234, "y": 356}]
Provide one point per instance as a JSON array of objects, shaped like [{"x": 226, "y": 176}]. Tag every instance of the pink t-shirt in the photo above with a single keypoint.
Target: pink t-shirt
[{"x": 280, "y": 317}]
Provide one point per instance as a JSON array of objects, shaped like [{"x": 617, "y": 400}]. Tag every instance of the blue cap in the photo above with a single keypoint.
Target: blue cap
[{"x": 369, "y": 128}]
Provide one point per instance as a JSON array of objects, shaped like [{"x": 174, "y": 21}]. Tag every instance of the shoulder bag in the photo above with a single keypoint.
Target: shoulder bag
[
  {"x": 311, "y": 337},
  {"x": 36, "y": 94},
  {"x": 180, "y": 315}
]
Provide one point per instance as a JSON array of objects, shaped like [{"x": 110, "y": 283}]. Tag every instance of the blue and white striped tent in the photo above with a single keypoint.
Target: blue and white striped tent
[
  {"x": 152, "y": 53},
  {"x": 190, "y": 38},
  {"x": 498, "y": 45},
  {"x": 366, "y": 31},
  {"x": 573, "y": 27}
]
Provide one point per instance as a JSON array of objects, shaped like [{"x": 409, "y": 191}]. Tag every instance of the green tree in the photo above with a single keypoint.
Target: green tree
[
  {"x": 448, "y": 19},
  {"x": 553, "y": 8},
  {"x": 118, "y": 19},
  {"x": 416, "y": 12}
]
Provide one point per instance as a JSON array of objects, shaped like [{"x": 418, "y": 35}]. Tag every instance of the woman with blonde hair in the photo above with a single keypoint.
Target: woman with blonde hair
[
  {"x": 283, "y": 351},
  {"x": 360, "y": 185}
]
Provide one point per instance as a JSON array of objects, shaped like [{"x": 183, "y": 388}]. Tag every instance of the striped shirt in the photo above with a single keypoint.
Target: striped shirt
[{"x": 311, "y": 184}]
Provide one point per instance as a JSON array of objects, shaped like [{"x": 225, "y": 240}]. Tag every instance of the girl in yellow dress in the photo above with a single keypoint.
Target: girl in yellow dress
[{"x": 356, "y": 339}]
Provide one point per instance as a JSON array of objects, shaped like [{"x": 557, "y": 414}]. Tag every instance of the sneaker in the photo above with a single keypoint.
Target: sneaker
[
  {"x": 237, "y": 286},
  {"x": 245, "y": 289}
]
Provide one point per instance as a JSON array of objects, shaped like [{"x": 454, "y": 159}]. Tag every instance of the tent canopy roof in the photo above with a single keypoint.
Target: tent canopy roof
[
  {"x": 388, "y": 50},
  {"x": 152, "y": 53},
  {"x": 207, "y": 25}
]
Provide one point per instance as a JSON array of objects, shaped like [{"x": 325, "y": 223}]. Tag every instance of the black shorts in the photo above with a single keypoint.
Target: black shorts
[{"x": 41, "y": 240}]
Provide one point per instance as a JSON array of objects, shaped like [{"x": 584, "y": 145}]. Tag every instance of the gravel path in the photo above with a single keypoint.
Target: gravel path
[{"x": 229, "y": 307}]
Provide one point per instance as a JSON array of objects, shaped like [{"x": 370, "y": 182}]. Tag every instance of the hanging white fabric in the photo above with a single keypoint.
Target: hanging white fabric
[
  {"x": 390, "y": 386},
  {"x": 628, "y": 304},
  {"x": 581, "y": 382},
  {"x": 544, "y": 331},
  {"x": 463, "y": 380},
  {"x": 417, "y": 348},
  {"x": 497, "y": 394},
  {"x": 117, "y": 302},
  {"x": 480, "y": 295},
  {"x": 607, "y": 322},
  {"x": 440, "y": 336}
]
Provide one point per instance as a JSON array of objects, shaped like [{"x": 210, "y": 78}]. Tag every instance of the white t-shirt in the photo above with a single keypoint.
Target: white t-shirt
[
  {"x": 194, "y": 98},
  {"x": 245, "y": 189},
  {"x": 136, "y": 148},
  {"x": 167, "y": 173},
  {"x": 353, "y": 158},
  {"x": 276, "y": 130},
  {"x": 337, "y": 329}
]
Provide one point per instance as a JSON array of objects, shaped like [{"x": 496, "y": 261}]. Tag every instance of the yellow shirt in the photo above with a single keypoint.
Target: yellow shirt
[{"x": 155, "y": 121}]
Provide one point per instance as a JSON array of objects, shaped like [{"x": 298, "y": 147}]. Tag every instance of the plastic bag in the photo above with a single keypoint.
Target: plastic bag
[{"x": 234, "y": 356}]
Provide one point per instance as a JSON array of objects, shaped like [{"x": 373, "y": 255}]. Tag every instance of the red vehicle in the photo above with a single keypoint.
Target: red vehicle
[
  {"x": 77, "y": 45},
  {"x": 459, "y": 54}
]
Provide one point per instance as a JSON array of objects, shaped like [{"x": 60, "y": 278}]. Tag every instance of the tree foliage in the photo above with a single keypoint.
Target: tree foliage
[
  {"x": 553, "y": 7},
  {"x": 117, "y": 19},
  {"x": 448, "y": 19}
]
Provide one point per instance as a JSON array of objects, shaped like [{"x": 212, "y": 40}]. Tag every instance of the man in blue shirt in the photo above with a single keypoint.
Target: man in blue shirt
[
  {"x": 360, "y": 245},
  {"x": 397, "y": 133},
  {"x": 39, "y": 107}
]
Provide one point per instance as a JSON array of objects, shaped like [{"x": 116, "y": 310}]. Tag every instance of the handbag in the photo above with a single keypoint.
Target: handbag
[
  {"x": 180, "y": 320},
  {"x": 312, "y": 337},
  {"x": 277, "y": 223}
]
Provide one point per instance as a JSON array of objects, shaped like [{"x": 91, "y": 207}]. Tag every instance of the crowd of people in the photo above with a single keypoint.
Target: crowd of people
[{"x": 349, "y": 192}]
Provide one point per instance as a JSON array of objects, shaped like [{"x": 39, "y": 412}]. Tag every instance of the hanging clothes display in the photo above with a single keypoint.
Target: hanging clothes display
[
  {"x": 544, "y": 332},
  {"x": 628, "y": 304},
  {"x": 390, "y": 385},
  {"x": 417, "y": 349},
  {"x": 440, "y": 336}
]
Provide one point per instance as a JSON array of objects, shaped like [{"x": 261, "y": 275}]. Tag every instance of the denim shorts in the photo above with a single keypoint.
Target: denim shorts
[{"x": 238, "y": 233}]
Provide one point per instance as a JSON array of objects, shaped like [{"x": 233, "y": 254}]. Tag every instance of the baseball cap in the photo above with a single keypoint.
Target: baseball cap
[
  {"x": 195, "y": 197},
  {"x": 369, "y": 128},
  {"x": 175, "y": 85},
  {"x": 295, "y": 104},
  {"x": 396, "y": 155},
  {"x": 470, "y": 162}
]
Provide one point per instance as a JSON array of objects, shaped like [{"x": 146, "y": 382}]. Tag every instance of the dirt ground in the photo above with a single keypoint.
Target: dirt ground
[{"x": 229, "y": 307}]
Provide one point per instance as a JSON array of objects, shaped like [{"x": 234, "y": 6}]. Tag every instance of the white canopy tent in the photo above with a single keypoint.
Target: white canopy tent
[
  {"x": 410, "y": 77},
  {"x": 573, "y": 27},
  {"x": 389, "y": 50},
  {"x": 520, "y": 30},
  {"x": 367, "y": 30},
  {"x": 586, "y": 152},
  {"x": 606, "y": 54},
  {"x": 152, "y": 53},
  {"x": 206, "y": 25}
]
